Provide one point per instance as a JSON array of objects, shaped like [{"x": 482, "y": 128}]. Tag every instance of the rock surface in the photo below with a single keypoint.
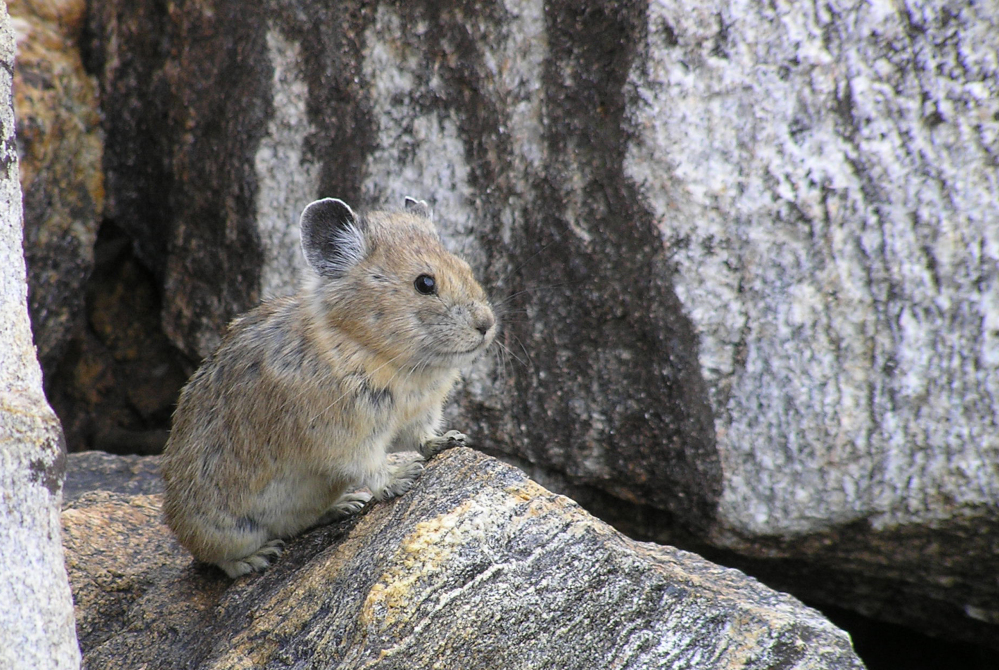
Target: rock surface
[
  {"x": 60, "y": 148},
  {"x": 100, "y": 471},
  {"x": 747, "y": 254},
  {"x": 833, "y": 228},
  {"x": 836, "y": 247},
  {"x": 476, "y": 567},
  {"x": 36, "y": 615},
  {"x": 110, "y": 373}
]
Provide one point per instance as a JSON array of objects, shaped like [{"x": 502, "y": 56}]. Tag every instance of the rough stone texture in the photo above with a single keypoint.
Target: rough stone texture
[
  {"x": 110, "y": 373},
  {"x": 99, "y": 471},
  {"x": 60, "y": 148},
  {"x": 660, "y": 417},
  {"x": 836, "y": 246},
  {"x": 746, "y": 254},
  {"x": 167, "y": 145},
  {"x": 476, "y": 567},
  {"x": 832, "y": 220},
  {"x": 36, "y": 618}
]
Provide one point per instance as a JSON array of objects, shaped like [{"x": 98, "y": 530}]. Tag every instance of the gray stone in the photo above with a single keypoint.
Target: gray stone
[
  {"x": 836, "y": 241},
  {"x": 826, "y": 182},
  {"x": 475, "y": 567},
  {"x": 36, "y": 618}
]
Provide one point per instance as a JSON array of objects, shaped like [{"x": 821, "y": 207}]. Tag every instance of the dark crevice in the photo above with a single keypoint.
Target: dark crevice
[{"x": 116, "y": 387}]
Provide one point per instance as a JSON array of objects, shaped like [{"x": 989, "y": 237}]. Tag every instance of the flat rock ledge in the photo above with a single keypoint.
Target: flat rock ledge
[{"x": 476, "y": 567}]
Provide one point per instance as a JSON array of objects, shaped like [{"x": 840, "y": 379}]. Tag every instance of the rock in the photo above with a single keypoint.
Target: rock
[
  {"x": 659, "y": 411},
  {"x": 833, "y": 228},
  {"x": 99, "y": 471},
  {"x": 60, "y": 148},
  {"x": 158, "y": 155},
  {"x": 36, "y": 615},
  {"x": 747, "y": 255},
  {"x": 476, "y": 567}
]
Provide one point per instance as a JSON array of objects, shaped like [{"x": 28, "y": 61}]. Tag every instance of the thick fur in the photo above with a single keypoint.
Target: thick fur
[{"x": 299, "y": 405}]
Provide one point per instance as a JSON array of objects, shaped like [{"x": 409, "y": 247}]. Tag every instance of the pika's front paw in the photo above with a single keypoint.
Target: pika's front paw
[
  {"x": 448, "y": 440},
  {"x": 258, "y": 561},
  {"x": 346, "y": 505},
  {"x": 351, "y": 503},
  {"x": 402, "y": 477}
]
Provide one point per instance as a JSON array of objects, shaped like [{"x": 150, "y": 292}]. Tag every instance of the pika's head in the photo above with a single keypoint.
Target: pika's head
[{"x": 385, "y": 279}]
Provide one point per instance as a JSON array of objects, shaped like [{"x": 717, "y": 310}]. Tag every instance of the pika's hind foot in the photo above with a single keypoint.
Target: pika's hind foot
[
  {"x": 258, "y": 561},
  {"x": 448, "y": 440}
]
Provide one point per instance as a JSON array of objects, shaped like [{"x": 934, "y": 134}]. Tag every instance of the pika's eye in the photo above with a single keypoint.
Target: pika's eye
[{"x": 426, "y": 285}]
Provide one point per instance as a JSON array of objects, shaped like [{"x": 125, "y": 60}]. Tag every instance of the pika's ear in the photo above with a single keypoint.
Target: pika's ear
[
  {"x": 332, "y": 238},
  {"x": 419, "y": 207}
]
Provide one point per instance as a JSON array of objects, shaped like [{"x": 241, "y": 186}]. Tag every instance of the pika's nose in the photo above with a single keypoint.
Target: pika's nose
[{"x": 485, "y": 321}]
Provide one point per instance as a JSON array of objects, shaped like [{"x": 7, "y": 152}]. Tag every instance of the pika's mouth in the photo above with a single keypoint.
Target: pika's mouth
[
  {"x": 478, "y": 347},
  {"x": 471, "y": 351}
]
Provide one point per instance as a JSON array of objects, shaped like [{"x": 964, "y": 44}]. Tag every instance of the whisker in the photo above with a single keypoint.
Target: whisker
[
  {"x": 533, "y": 289},
  {"x": 511, "y": 354},
  {"x": 524, "y": 349}
]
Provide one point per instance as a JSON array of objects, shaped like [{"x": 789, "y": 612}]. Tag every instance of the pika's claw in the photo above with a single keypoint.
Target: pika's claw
[
  {"x": 448, "y": 440},
  {"x": 403, "y": 477},
  {"x": 258, "y": 561},
  {"x": 346, "y": 505},
  {"x": 352, "y": 503}
]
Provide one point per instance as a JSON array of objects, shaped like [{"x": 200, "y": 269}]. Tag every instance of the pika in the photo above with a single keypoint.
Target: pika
[{"x": 299, "y": 405}]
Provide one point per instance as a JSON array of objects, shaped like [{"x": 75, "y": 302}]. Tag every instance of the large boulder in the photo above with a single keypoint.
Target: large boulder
[
  {"x": 746, "y": 254},
  {"x": 476, "y": 567},
  {"x": 825, "y": 181},
  {"x": 36, "y": 615}
]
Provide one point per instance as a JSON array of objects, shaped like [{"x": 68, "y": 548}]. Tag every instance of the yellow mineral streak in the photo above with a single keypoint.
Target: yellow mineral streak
[{"x": 427, "y": 550}]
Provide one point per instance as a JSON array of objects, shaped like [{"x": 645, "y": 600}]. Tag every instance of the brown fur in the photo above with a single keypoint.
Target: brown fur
[{"x": 306, "y": 394}]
